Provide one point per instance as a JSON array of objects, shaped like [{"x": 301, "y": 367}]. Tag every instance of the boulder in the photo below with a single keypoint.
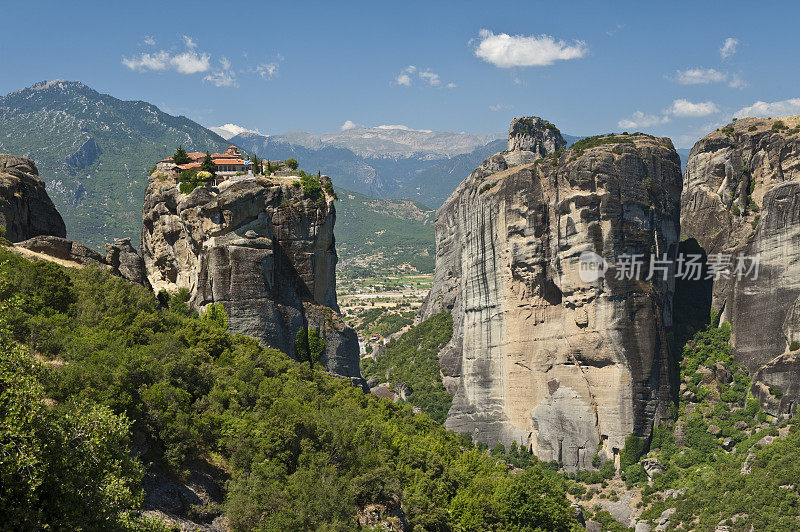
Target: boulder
[{"x": 25, "y": 208}]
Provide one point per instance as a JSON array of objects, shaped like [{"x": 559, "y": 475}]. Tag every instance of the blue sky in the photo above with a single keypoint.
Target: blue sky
[{"x": 589, "y": 67}]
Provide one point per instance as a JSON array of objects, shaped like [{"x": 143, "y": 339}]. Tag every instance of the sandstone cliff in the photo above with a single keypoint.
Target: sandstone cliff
[
  {"x": 565, "y": 367},
  {"x": 741, "y": 197},
  {"x": 262, "y": 248},
  {"x": 25, "y": 208}
]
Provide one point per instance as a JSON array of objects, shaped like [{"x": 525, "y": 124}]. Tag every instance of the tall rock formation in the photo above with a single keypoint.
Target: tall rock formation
[
  {"x": 25, "y": 208},
  {"x": 564, "y": 366},
  {"x": 261, "y": 247},
  {"x": 741, "y": 197}
]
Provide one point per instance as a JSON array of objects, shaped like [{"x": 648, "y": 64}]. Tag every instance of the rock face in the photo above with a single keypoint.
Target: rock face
[
  {"x": 259, "y": 246},
  {"x": 25, "y": 208},
  {"x": 564, "y": 366},
  {"x": 741, "y": 197}
]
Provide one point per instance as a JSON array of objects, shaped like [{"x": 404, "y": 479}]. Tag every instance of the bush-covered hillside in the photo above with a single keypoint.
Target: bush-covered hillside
[
  {"x": 412, "y": 360},
  {"x": 88, "y": 361}
]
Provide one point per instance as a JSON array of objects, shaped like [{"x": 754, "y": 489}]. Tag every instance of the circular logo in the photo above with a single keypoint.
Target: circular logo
[{"x": 591, "y": 266}]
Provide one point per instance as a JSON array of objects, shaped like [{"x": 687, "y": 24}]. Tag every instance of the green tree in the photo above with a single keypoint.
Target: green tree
[
  {"x": 180, "y": 156},
  {"x": 208, "y": 165},
  {"x": 316, "y": 346},
  {"x": 256, "y": 164},
  {"x": 302, "y": 351},
  {"x": 215, "y": 313},
  {"x": 292, "y": 164}
]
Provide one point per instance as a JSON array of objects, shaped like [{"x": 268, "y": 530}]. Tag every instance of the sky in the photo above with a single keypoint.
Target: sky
[{"x": 677, "y": 69}]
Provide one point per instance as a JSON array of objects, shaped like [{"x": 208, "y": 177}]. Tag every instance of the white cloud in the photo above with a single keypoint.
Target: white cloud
[
  {"x": 224, "y": 76},
  {"x": 190, "y": 44},
  {"x": 404, "y": 77},
  {"x": 186, "y": 63},
  {"x": 156, "y": 61},
  {"x": 348, "y": 124},
  {"x": 699, "y": 76},
  {"x": 149, "y": 41},
  {"x": 614, "y": 30},
  {"x": 682, "y": 107},
  {"x": 505, "y": 51},
  {"x": 499, "y": 107},
  {"x": 191, "y": 62},
  {"x": 431, "y": 77},
  {"x": 728, "y": 47},
  {"x": 268, "y": 70},
  {"x": 737, "y": 82},
  {"x": 768, "y": 109},
  {"x": 640, "y": 120}
]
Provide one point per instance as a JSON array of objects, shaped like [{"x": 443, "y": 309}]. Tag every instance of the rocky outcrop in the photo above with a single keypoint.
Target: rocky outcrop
[
  {"x": 741, "y": 197},
  {"x": 261, "y": 247},
  {"x": 85, "y": 156},
  {"x": 564, "y": 366},
  {"x": 121, "y": 258},
  {"x": 25, "y": 208}
]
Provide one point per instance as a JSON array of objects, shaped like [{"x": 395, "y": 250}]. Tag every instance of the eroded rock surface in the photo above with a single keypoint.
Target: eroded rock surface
[
  {"x": 741, "y": 197},
  {"x": 259, "y": 246},
  {"x": 563, "y": 366},
  {"x": 25, "y": 208}
]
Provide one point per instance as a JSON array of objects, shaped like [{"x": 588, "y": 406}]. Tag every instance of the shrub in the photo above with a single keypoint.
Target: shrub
[
  {"x": 215, "y": 313},
  {"x": 735, "y": 210},
  {"x": 311, "y": 185},
  {"x": 630, "y": 454},
  {"x": 778, "y": 125},
  {"x": 775, "y": 392},
  {"x": 794, "y": 345},
  {"x": 752, "y": 128}
]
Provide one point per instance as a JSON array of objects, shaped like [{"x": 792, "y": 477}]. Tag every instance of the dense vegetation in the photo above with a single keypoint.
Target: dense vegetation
[
  {"x": 383, "y": 322},
  {"x": 412, "y": 360},
  {"x": 300, "y": 449}
]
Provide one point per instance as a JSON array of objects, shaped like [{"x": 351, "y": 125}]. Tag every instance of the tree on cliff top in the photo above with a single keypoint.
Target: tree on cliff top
[
  {"x": 208, "y": 165},
  {"x": 292, "y": 164},
  {"x": 180, "y": 156}
]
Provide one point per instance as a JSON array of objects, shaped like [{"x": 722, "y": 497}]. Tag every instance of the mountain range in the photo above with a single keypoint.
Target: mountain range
[{"x": 95, "y": 151}]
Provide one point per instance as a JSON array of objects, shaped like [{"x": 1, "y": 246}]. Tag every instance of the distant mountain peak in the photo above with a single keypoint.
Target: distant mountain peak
[{"x": 228, "y": 131}]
